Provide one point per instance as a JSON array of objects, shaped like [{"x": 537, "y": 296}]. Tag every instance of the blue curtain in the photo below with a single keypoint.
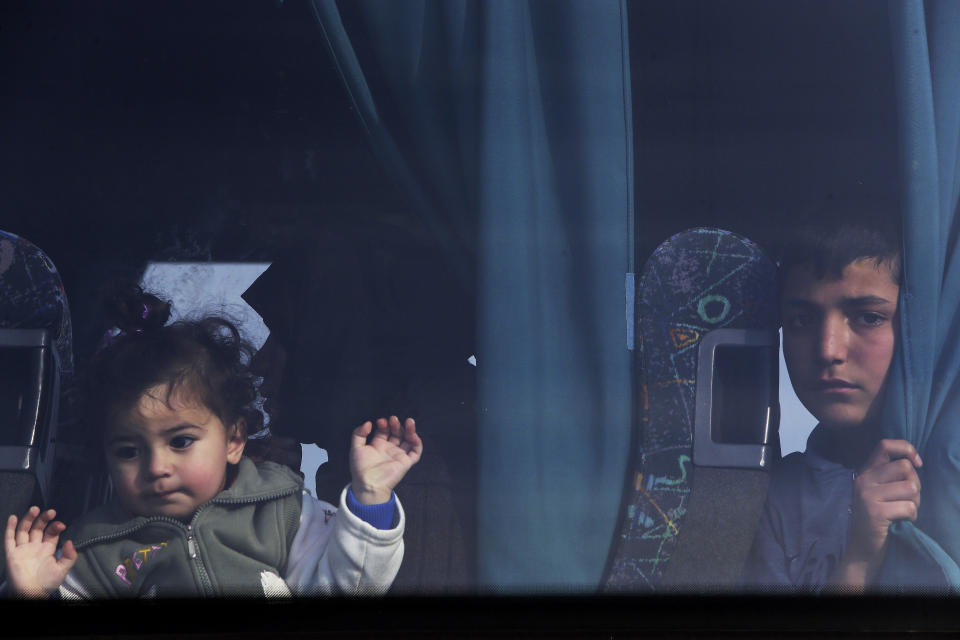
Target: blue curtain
[
  {"x": 509, "y": 124},
  {"x": 923, "y": 399},
  {"x": 410, "y": 69}
]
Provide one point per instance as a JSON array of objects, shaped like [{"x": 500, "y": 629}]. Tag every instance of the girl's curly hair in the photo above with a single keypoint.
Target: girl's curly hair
[{"x": 207, "y": 358}]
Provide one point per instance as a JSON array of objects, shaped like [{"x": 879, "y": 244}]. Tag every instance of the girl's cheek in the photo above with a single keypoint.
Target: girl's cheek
[
  {"x": 123, "y": 472},
  {"x": 203, "y": 480},
  {"x": 124, "y": 478},
  {"x": 125, "y": 488}
]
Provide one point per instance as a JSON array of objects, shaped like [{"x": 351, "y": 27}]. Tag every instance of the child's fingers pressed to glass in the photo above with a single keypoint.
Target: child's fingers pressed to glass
[
  {"x": 26, "y": 524},
  {"x": 396, "y": 431}
]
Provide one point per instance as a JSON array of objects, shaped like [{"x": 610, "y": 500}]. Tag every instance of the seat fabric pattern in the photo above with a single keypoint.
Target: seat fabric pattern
[{"x": 698, "y": 280}]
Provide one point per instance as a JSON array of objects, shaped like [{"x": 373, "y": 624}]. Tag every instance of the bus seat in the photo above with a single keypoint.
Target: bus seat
[
  {"x": 735, "y": 442},
  {"x": 42, "y": 459},
  {"x": 708, "y": 411},
  {"x": 35, "y": 360},
  {"x": 29, "y": 404}
]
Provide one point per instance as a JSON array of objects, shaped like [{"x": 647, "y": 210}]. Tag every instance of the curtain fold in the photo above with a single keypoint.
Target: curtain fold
[
  {"x": 923, "y": 395},
  {"x": 556, "y": 201},
  {"x": 410, "y": 69},
  {"x": 508, "y": 122}
]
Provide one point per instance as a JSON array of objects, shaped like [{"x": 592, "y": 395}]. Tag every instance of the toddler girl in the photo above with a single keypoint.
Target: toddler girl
[{"x": 171, "y": 407}]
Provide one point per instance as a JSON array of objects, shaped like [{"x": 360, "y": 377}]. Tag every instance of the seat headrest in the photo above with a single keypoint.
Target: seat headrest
[{"x": 33, "y": 296}]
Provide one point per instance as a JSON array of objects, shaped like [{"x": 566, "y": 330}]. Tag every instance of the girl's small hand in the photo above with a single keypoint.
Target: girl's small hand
[
  {"x": 376, "y": 467},
  {"x": 33, "y": 569}
]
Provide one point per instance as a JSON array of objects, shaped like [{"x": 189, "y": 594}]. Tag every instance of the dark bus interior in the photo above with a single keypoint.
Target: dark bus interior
[{"x": 221, "y": 131}]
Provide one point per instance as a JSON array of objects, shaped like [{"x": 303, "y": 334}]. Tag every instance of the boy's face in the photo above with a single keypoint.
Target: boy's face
[
  {"x": 838, "y": 339},
  {"x": 167, "y": 460}
]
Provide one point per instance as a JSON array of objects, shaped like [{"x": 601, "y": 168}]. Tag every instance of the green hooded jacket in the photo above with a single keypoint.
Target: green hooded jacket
[{"x": 223, "y": 550}]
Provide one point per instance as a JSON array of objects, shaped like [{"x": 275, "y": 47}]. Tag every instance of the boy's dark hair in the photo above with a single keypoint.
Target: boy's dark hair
[
  {"x": 827, "y": 242},
  {"x": 141, "y": 351}
]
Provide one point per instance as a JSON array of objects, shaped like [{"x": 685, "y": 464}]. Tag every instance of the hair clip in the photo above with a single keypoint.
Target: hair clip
[
  {"x": 109, "y": 336},
  {"x": 113, "y": 333}
]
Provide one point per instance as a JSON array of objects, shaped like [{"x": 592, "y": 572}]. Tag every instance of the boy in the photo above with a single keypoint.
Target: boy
[{"x": 829, "y": 509}]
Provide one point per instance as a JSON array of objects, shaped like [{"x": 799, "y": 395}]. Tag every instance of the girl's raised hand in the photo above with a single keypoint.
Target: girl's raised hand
[
  {"x": 33, "y": 568},
  {"x": 377, "y": 466}
]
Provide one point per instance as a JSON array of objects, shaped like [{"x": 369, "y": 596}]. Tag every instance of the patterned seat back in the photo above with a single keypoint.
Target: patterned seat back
[
  {"x": 696, "y": 482},
  {"x": 37, "y": 357},
  {"x": 32, "y": 295}
]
